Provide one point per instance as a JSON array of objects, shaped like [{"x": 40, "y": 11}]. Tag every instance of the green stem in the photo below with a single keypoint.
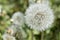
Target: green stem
[
  {"x": 30, "y": 35},
  {"x": 42, "y": 35}
]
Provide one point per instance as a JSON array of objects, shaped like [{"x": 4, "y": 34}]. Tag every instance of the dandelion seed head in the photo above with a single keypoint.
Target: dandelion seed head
[
  {"x": 39, "y": 17},
  {"x": 18, "y": 18},
  {"x": 15, "y": 29},
  {"x": 8, "y": 37}
]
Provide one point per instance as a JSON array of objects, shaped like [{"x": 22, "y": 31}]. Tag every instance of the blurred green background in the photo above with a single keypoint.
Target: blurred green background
[{"x": 8, "y": 7}]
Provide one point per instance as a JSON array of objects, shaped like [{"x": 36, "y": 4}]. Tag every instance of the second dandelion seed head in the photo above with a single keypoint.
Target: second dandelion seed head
[{"x": 18, "y": 18}]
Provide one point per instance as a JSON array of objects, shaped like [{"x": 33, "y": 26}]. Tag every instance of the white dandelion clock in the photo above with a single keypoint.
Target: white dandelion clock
[
  {"x": 8, "y": 37},
  {"x": 39, "y": 17},
  {"x": 18, "y": 18},
  {"x": 13, "y": 29}
]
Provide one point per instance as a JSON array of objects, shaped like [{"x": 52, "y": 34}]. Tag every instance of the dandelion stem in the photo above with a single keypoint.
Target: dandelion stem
[
  {"x": 31, "y": 34},
  {"x": 42, "y": 35}
]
